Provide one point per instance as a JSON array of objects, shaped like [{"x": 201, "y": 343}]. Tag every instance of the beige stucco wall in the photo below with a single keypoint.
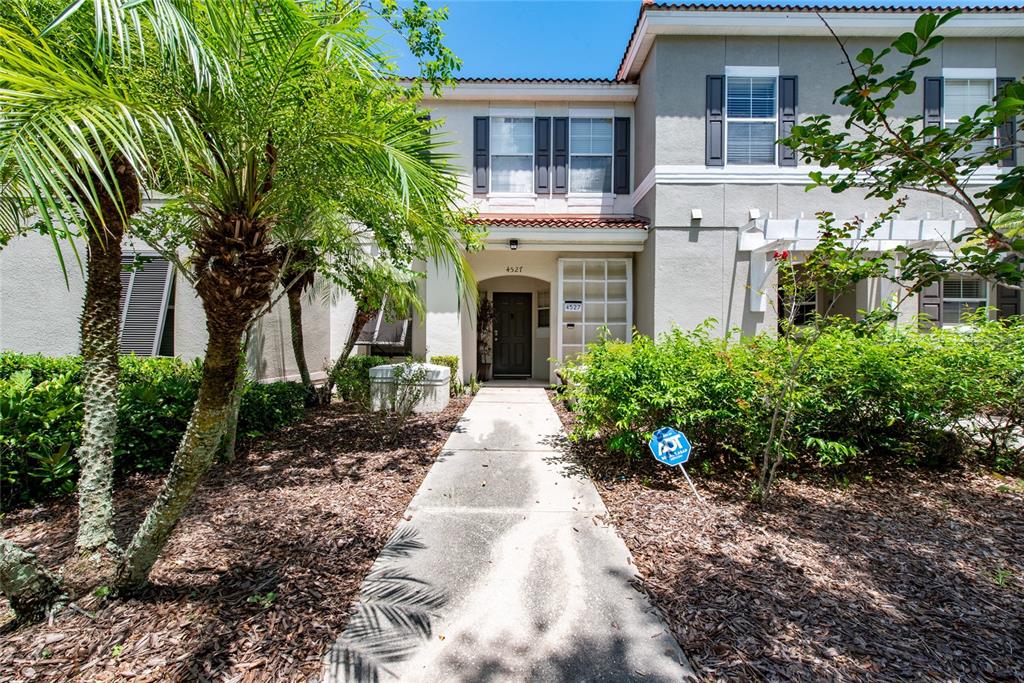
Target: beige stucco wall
[{"x": 38, "y": 314}]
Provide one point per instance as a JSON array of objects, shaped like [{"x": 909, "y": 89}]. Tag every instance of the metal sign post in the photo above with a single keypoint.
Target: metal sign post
[{"x": 671, "y": 447}]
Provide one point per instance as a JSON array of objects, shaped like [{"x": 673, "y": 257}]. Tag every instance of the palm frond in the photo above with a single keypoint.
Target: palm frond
[{"x": 119, "y": 28}]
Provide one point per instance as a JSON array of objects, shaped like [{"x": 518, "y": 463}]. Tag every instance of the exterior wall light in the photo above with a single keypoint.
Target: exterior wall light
[{"x": 513, "y": 244}]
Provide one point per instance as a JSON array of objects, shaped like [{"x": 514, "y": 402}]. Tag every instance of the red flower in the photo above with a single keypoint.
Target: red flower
[{"x": 785, "y": 253}]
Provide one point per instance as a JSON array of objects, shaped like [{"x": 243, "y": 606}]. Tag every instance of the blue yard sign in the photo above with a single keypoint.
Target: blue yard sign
[{"x": 670, "y": 446}]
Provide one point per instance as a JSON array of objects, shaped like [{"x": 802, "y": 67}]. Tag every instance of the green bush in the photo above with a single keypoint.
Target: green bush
[
  {"x": 895, "y": 393},
  {"x": 269, "y": 407},
  {"x": 452, "y": 362},
  {"x": 352, "y": 378},
  {"x": 41, "y": 418}
]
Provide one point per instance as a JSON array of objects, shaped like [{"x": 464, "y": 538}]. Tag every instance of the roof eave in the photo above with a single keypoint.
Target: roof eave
[
  {"x": 655, "y": 20},
  {"x": 536, "y": 90}
]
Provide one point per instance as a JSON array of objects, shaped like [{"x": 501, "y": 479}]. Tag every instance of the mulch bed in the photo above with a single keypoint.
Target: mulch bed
[
  {"x": 909, "y": 576},
  {"x": 301, "y": 515}
]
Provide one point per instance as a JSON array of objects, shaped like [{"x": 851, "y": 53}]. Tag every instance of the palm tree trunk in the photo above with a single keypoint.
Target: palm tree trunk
[
  {"x": 194, "y": 458},
  {"x": 100, "y": 372},
  {"x": 231, "y": 431},
  {"x": 361, "y": 318},
  {"x": 29, "y": 587},
  {"x": 298, "y": 345},
  {"x": 100, "y": 331}
]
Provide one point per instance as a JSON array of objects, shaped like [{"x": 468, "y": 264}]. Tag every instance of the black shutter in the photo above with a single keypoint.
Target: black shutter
[
  {"x": 560, "y": 155},
  {"x": 787, "y": 117},
  {"x": 481, "y": 154},
  {"x": 542, "y": 154},
  {"x": 144, "y": 306},
  {"x": 714, "y": 151},
  {"x": 931, "y": 305},
  {"x": 620, "y": 162},
  {"x": 933, "y": 102},
  {"x": 1007, "y": 302},
  {"x": 1006, "y": 135}
]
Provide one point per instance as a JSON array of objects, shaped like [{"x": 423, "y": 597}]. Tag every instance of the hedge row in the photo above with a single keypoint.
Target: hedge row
[
  {"x": 41, "y": 416},
  {"x": 898, "y": 394}
]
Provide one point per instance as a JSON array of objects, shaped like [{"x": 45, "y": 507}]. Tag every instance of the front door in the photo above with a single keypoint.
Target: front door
[{"x": 512, "y": 328}]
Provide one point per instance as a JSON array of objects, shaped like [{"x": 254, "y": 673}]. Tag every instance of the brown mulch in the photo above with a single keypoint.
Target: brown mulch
[
  {"x": 301, "y": 515},
  {"x": 914, "y": 576}
]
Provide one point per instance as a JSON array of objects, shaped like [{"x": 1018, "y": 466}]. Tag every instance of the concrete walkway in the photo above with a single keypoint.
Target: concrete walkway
[{"x": 501, "y": 570}]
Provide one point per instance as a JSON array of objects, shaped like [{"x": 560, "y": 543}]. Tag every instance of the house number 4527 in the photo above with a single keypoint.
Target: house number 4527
[{"x": 513, "y": 269}]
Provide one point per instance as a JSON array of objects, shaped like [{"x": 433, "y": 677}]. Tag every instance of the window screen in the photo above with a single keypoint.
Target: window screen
[
  {"x": 511, "y": 154},
  {"x": 590, "y": 155},
  {"x": 751, "y": 114}
]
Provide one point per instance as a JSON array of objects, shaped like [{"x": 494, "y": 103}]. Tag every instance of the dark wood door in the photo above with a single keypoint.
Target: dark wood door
[{"x": 512, "y": 332}]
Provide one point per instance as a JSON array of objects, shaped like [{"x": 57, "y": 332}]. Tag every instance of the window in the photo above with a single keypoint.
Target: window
[
  {"x": 146, "y": 285},
  {"x": 962, "y": 97},
  {"x": 804, "y": 305},
  {"x": 596, "y": 303},
  {"x": 590, "y": 155},
  {"x": 751, "y": 119},
  {"x": 543, "y": 309},
  {"x": 511, "y": 154},
  {"x": 962, "y": 296}
]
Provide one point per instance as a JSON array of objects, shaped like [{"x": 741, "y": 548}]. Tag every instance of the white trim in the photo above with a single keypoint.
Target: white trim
[
  {"x": 775, "y": 23},
  {"x": 566, "y": 239},
  {"x": 693, "y": 174},
  {"x": 538, "y": 92},
  {"x": 591, "y": 112},
  {"x": 970, "y": 74},
  {"x": 513, "y": 112},
  {"x": 754, "y": 71}
]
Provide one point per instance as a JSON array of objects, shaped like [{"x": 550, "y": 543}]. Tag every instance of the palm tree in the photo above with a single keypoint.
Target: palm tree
[
  {"x": 308, "y": 111},
  {"x": 77, "y": 135}
]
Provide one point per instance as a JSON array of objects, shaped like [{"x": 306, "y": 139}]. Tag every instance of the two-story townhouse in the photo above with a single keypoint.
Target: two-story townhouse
[
  {"x": 656, "y": 199},
  {"x": 645, "y": 201}
]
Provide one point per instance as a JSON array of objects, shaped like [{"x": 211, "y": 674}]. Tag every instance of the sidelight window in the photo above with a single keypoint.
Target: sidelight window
[{"x": 595, "y": 302}]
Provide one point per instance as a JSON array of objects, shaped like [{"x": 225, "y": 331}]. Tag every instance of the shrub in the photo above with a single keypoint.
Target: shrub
[
  {"x": 39, "y": 430},
  {"x": 269, "y": 407},
  {"x": 155, "y": 404},
  {"x": 893, "y": 393},
  {"x": 452, "y": 363},
  {"x": 352, "y": 378},
  {"x": 41, "y": 418}
]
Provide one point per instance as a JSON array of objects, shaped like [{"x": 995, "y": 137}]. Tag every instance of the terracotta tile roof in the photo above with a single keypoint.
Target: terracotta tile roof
[
  {"x": 827, "y": 7},
  {"x": 548, "y": 220},
  {"x": 839, "y": 6}
]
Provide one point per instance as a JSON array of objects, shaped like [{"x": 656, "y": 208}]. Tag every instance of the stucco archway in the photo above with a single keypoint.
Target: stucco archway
[{"x": 540, "y": 320}]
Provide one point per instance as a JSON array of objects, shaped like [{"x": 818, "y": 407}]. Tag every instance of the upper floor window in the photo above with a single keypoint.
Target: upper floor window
[
  {"x": 751, "y": 119},
  {"x": 511, "y": 149},
  {"x": 962, "y": 97},
  {"x": 590, "y": 155}
]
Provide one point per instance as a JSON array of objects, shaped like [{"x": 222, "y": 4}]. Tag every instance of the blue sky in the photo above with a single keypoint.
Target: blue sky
[
  {"x": 556, "y": 38},
  {"x": 565, "y": 38}
]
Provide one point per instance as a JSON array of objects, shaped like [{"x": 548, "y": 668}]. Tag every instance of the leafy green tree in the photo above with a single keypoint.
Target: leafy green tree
[{"x": 887, "y": 155}]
